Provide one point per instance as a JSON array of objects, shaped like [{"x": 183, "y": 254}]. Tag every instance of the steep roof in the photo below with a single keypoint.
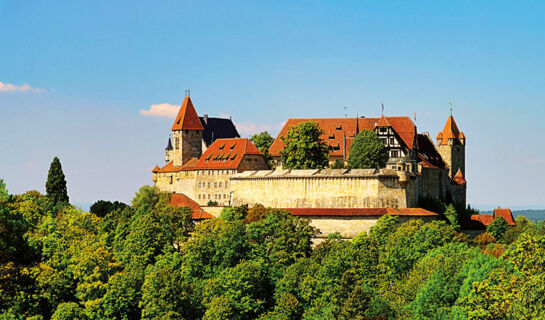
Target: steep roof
[
  {"x": 181, "y": 200},
  {"x": 331, "y": 212},
  {"x": 427, "y": 153},
  {"x": 450, "y": 131},
  {"x": 217, "y": 128},
  {"x": 169, "y": 145},
  {"x": 226, "y": 154},
  {"x": 169, "y": 167},
  {"x": 340, "y": 132},
  {"x": 459, "y": 178},
  {"x": 187, "y": 118},
  {"x": 506, "y": 214},
  {"x": 481, "y": 221}
]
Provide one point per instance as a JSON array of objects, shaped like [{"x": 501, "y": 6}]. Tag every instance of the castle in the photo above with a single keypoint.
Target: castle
[{"x": 210, "y": 165}]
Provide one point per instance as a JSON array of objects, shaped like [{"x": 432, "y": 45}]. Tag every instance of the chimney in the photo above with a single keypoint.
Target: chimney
[{"x": 205, "y": 118}]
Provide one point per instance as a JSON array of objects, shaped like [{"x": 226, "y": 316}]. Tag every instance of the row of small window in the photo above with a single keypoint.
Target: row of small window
[
  {"x": 385, "y": 141},
  {"x": 217, "y": 196},
  {"x": 204, "y": 184},
  {"x": 213, "y": 172}
]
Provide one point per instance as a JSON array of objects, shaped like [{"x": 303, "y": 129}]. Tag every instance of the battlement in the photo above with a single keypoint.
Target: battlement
[{"x": 327, "y": 188}]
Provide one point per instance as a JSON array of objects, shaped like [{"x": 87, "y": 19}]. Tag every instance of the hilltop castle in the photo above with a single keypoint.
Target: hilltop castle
[{"x": 210, "y": 164}]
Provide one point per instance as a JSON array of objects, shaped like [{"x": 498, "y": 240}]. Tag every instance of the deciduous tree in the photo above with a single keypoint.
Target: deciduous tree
[
  {"x": 303, "y": 147},
  {"x": 367, "y": 151}
]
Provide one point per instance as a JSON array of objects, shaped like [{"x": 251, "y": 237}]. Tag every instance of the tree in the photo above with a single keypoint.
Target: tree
[
  {"x": 101, "y": 208},
  {"x": 497, "y": 228},
  {"x": 263, "y": 142},
  {"x": 367, "y": 151},
  {"x": 3, "y": 191},
  {"x": 56, "y": 183},
  {"x": 304, "y": 149}
]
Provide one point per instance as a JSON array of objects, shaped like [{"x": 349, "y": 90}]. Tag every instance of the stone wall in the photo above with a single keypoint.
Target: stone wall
[
  {"x": 187, "y": 144},
  {"x": 213, "y": 185},
  {"x": 351, "y": 226},
  {"x": 177, "y": 182},
  {"x": 332, "y": 188}
]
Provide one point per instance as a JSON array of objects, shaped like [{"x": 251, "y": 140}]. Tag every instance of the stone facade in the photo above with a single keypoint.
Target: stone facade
[
  {"x": 351, "y": 226},
  {"x": 332, "y": 188}
]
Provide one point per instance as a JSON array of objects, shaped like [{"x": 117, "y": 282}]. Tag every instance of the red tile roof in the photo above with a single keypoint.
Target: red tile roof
[
  {"x": 169, "y": 167},
  {"x": 156, "y": 169},
  {"x": 226, "y": 154},
  {"x": 359, "y": 212},
  {"x": 187, "y": 118},
  {"x": 340, "y": 132},
  {"x": 459, "y": 178},
  {"x": 506, "y": 214},
  {"x": 484, "y": 219},
  {"x": 450, "y": 131},
  {"x": 181, "y": 200}
]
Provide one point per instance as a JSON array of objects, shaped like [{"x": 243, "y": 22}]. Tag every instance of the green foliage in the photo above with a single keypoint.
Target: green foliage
[
  {"x": 149, "y": 261},
  {"x": 303, "y": 147},
  {"x": 452, "y": 217},
  {"x": 55, "y": 186},
  {"x": 367, "y": 151},
  {"x": 69, "y": 311},
  {"x": 497, "y": 228},
  {"x": 101, "y": 208},
  {"x": 338, "y": 164},
  {"x": 3, "y": 191},
  {"x": 263, "y": 142}
]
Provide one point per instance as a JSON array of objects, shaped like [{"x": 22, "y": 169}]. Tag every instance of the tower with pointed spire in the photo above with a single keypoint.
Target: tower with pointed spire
[
  {"x": 187, "y": 135},
  {"x": 451, "y": 144}
]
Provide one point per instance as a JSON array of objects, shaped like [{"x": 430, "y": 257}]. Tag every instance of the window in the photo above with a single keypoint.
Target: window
[
  {"x": 170, "y": 179},
  {"x": 208, "y": 184},
  {"x": 208, "y": 196},
  {"x": 220, "y": 184},
  {"x": 383, "y": 130},
  {"x": 177, "y": 143},
  {"x": 392, "y": 141},
  {"x": 395, "y": 154},
  {"x": 225, "y": 184},
  {"x": 199, "y": 196},
  {"x": 384, "y": 141},
  {"x": 199, "y": 184},
  {"x": 215, "y": 184}
]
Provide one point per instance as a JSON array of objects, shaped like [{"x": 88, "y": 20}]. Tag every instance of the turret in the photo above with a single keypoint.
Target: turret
[
  {"x": 168, "y": 150},
  {"x": 451, "y": 145},
  {"x": 187, "y": 133}
]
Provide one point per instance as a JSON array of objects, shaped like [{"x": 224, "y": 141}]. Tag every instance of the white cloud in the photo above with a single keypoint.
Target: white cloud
[
  {"x": 535, "y": 161},
  {"x": 8, "y": 87},
  {"x": 249, "y": 128},
  {"x": 161, "y": 110}
]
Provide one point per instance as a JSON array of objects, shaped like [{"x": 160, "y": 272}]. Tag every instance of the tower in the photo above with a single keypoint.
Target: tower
[
  {"x": 451, "y": 144},
  {"x": 187, "y": 133}
]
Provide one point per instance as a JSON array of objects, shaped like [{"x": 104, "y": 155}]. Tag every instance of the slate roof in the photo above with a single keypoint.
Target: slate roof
[
  {"x": 217, "y": 128},
  {"x": 427, "y": 153},
  {"x": 340, "y": 132}
]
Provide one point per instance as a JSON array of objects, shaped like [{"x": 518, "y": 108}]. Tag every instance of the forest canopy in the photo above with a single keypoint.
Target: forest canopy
[{"x": 148, "y": 260}]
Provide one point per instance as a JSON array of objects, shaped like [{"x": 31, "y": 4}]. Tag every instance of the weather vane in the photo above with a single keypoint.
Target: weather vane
[{"x": 450, "y": 104}]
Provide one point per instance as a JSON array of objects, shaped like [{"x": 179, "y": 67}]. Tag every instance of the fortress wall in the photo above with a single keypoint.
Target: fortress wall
[
  {"x": 319, "y": 192},
  {"x": 182, "y": 182},
  {"x": 351, "y": 226}
]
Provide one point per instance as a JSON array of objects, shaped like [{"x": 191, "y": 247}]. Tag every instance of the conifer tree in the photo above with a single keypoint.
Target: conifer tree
[{"x": 55, "y": 186}]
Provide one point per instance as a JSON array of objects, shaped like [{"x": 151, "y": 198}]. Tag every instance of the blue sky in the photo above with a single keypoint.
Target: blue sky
[{"x": 92, "y": 67}]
